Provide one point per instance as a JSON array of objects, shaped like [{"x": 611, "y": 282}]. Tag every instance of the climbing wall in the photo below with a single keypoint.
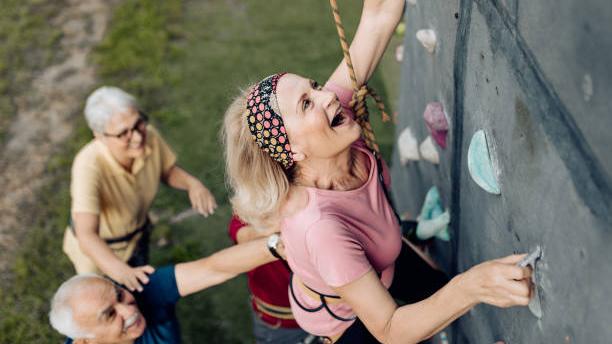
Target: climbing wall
[{"x": 525, "y": 90}]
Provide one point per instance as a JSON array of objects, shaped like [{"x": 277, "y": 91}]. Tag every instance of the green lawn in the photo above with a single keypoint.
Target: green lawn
[{"x": 184, "y": 61}]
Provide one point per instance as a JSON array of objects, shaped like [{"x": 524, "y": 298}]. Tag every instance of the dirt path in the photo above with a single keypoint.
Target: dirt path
[{"x": 45, "y": 117}]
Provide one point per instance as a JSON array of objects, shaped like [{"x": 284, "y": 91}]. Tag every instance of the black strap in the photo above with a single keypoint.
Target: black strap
[
  {"x": 381, "y": 179},
  {"x": 310, "y": 310},
  {"x": 321, "y": 294},
  {"x": 321, "y": 306},
  {"x": 125, "y": 238},
  {"x": 408, "y": 227}
]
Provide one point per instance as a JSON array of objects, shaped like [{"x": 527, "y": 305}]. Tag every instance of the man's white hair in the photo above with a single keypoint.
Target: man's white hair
[
  {"x": 103, "y": 103},
  {"x": 61, "y": 316}
]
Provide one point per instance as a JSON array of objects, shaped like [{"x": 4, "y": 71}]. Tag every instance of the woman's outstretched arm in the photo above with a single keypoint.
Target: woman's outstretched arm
[
  {"x": 378, "y": 21},
  {"x": 498, "y": 282}
]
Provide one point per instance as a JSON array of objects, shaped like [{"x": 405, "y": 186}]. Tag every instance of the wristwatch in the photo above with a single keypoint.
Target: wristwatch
[{"x": 273, "y": 244}]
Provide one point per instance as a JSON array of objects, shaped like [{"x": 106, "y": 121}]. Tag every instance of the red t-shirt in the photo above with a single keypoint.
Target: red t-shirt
[{"x": 268, "y": 283}]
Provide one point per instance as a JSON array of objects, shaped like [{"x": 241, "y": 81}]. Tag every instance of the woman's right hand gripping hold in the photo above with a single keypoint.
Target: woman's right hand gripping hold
[
  {"x": 499, "y": 282},
  {"x": 496, "y": 282}
]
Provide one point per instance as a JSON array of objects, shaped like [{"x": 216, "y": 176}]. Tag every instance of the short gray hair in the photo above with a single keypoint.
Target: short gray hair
[
  {"x": 103, "y": 103},
  {"x": 61, "y": 316}
]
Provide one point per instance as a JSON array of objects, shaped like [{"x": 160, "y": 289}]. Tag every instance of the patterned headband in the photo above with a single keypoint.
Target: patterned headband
[{"x": 265, "y": 122}]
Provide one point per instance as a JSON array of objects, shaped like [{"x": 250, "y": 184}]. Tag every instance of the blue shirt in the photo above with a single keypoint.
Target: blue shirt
[{"x": 157, "y": 304}]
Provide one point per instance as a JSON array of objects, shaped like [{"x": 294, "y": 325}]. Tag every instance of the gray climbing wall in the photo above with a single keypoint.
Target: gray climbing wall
[{"x": 536, "y": 76}]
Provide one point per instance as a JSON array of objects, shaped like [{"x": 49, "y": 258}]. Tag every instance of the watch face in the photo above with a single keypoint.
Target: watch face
[{"x": 273, "y": 240}]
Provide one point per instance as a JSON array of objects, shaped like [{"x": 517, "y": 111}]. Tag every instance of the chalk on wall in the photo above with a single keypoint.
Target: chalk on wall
[
  {"x": 480, "y": 164},
  {"x": 433, "y": 219},
  {"x": 408, "y": 146},
  {"x": 436, "y": 122},
  {"x": 412, "y": 2},
  {"x": 429, "y": 152},
  {"x": 587, "y": 87},
  {"x": 428, "y": 39}
]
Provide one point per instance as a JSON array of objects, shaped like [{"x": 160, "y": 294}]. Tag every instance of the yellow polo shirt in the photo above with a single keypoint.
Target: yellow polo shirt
[{"x": 121, "y": 198}]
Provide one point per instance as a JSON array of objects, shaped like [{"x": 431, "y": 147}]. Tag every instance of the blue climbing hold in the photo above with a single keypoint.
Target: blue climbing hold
[
  {"x": 480, "y": 164},
  {"x": 433, "y": 219}
]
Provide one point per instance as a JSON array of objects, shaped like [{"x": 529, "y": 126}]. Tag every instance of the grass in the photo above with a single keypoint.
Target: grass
[
  {"x": 27, "y": 46},
  {"x": 184, "y": 61}
]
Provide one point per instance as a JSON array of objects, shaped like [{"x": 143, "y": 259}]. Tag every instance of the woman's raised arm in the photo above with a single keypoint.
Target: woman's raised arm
[
  {"x": 378, "y": 21},
  {"x": 498, "y": 282}
]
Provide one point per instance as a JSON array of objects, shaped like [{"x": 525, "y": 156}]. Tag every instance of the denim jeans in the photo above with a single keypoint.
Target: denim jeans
[{"x": 266, "y": 334}]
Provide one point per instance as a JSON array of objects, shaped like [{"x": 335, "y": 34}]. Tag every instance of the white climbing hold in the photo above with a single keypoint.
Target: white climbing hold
[
  {"x": 399, "y": 53},
  {"x": 480, "y": 164},
  {"x": 408, "y": 146},
  {"x": 428, "y": 151},
  {"x": 412, "y": 2},
  {"x": 428, "y": 39}
]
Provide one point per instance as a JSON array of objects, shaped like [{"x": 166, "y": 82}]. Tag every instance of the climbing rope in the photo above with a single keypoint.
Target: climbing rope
[{"x": 358, "y": 102}]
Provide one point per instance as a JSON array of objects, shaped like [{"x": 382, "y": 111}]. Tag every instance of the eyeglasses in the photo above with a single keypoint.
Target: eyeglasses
[{"x": 140, "y": 126}]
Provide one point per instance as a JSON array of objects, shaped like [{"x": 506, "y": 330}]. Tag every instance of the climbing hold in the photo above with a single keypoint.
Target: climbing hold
[
  {"x": 437, "y": 226},
  {"x": 399, "y": 53},
  {"x": 429, "y": 152},
  {"x": 443, "y": 338},
  {"x": 412, "y": 2},
  {"x": 433, "y": 219},
  {"x": 480, "y": 164},
  {"x": 436, "y": 122},
  {"x": 530, "y": 260},
  {"x": 428, "y": 39},
  {"x": 408, "y": 146},
  {"x": 394, "y": 116},
  {"x": 400, "y": 29}
]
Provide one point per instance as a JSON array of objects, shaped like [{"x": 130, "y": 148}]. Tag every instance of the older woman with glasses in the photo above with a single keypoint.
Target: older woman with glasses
[{"x": 114, "y": 180}]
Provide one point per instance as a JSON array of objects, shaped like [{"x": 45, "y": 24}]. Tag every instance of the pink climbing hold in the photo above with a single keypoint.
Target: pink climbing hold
[{"x": 436, "y": 122}]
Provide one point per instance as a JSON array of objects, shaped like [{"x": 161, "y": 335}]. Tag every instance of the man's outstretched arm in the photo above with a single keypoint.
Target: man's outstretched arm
[{"x": 197, "y": 275}]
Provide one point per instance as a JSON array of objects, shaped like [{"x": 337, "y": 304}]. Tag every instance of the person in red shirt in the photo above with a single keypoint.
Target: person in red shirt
[{"x": 273, "y": 321}]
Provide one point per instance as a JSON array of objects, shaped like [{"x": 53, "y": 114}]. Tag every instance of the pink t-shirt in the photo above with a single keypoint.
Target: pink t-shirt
[{"x": 337, "y": 238}]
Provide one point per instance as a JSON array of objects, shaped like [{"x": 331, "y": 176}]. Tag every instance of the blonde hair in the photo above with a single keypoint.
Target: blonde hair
[{"x": 259, "y": 184}]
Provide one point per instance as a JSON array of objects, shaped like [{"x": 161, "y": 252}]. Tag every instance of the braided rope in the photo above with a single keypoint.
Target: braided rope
[{"x": 358, "y": 103}]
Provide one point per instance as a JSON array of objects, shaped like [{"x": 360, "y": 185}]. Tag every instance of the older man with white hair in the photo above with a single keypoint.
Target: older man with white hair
[
  {"x": 90, "y": 309},
  {"x": 114, "y": 180}
]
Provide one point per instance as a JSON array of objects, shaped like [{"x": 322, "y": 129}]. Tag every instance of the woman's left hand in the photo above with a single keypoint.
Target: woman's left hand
[{"x": 202, "y": 199}]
